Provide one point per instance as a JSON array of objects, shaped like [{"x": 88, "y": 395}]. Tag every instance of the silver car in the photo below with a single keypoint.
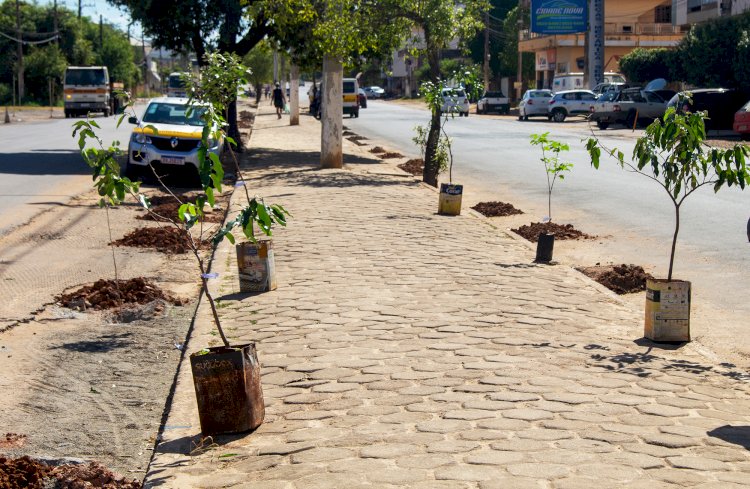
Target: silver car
[
  {"x": 455, "y": 101},
  {"x": 168, "y": 135},
  {"x": 570, "y": 102},
  {"x": 534, "y": 102}
]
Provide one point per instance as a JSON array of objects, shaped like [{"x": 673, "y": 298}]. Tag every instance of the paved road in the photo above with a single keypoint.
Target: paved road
[
  {"x": 495, "y": 161},
  {"x": 41, "y": 167}
]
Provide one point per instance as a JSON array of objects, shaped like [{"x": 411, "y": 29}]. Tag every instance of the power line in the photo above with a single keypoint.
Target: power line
[{"x": 30, "y": 43}]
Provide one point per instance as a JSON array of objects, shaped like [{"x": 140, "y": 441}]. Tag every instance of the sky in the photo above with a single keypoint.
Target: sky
[{"x": 93, "y": 8}]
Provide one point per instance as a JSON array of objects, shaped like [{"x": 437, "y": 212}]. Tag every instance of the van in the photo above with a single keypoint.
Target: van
[
  {"x": 572, "y": 81},
  {"x": 177, "y": 84},
  {"x": 351, "y": 97}
]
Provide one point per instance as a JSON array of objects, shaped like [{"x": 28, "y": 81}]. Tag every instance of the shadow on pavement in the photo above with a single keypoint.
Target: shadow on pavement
[
  {"x": 103, "y": 344},
  {"x": 738, "y": 435},
  {"x": 46, "y": 162},
  {"x": 302, "y": 168}
]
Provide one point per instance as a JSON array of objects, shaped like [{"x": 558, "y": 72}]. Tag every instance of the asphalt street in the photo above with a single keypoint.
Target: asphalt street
[{"x": 41, "y": 167}]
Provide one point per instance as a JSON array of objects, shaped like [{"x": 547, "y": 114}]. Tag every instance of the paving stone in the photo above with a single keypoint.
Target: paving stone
[
  {"x": 444, "y": 426},
  {"x": 670, "y": 441},
  {"x": 469, "y": 414},
  {"x": 527, "y": 414},
  {"x": 494, "y": 457},
  {"x": 538, "y": 470},
  {"x": 659, "y": 410},
  {"x": 452, "y": 446},
  {"x": 392, "y": 450},
  {"x": 397, "y": 476},
  {"x": 511, "y": 483},
  {"x": 429, "y": 461},
  {"x": 697, "y": 463},
  {"x": 513, "y": 396},
  {"x": 322, "y": 454},
  {"x": 474, "y": 473}
]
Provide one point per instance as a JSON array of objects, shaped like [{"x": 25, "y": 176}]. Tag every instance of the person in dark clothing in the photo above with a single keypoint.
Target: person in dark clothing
[{"x": 278, "y": 100}]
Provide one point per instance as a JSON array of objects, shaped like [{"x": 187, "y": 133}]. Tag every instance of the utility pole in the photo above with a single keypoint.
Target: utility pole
[
  {"x": 595, "y": 74},
  {"x": 145, "y": 65},
  {"x": 80, "y": 8},
  {"x": 487, "y": 50},
  {"x": 54, "y": 19},
  {"x": 519, "y": 77},
  {"x": 19, "y": 53},
  {"x": 275, "y": 66},
  {"x": 101, "y": 32}
]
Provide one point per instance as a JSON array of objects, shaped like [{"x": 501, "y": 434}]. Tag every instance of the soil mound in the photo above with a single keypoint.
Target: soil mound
[
  {"x": 168, "y": 240},
  {"x": 108, "y": 294},
  {"x": 414, "y": 166},
  {"x": 377, "y": 150},
  {"x": 27, "y": 473},
  {"x": 621, "y": 279},
  {"x": 494, "y": 209},
  {"x": 561, "y": 231},
  {"x": 12, "y": 440},
  {"x": 358, "y": 140},
  {"x": 348, "y": 133},
  {"x": 391, "y": 154}
]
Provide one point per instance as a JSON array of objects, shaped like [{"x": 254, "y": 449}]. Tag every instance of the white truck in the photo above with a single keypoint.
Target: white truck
[{"x": 86, "y": 89}]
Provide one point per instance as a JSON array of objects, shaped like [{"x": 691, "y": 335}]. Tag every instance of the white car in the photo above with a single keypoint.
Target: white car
[
  {"x": 534, "y": 102},
  {"x": 374, "y": 92},
  {"x": 455, "y": 101},
  {"x": 175, "y": 140}
]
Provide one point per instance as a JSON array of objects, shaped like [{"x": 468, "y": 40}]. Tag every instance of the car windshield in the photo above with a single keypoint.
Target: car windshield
[
  {"x": 745, "y": 108},
  {"x": 169, "y": 113},
  {"x": 540, "y": 94},
  {"x": 608, "y": 96},
  {"x": 177, "y": 81},
  {"x": 348, "y": 87},
  {"x": 459, "y": 93}
]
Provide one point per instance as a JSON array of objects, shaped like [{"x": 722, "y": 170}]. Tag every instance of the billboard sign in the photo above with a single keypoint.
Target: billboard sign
[{"x": 559, "y": 16}]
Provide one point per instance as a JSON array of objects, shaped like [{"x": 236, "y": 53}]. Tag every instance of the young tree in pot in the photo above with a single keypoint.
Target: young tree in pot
[
  {"x": 673, "y": 153},
  {"x": 554, "y": 169},
  {"x": 227, "y": 378},
  {"x": 449, "y": 200}
]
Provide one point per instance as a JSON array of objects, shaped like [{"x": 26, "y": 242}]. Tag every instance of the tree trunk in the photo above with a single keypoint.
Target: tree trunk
[
  {"x": 294, "y": 96},
  {"x": 674, "y": 240},
  {"x": 431, "y": 166},
  {"x": 331, "y": 147}
]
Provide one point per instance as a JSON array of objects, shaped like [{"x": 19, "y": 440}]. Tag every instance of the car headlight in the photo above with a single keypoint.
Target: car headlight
[{"x": 141, "y": 138}]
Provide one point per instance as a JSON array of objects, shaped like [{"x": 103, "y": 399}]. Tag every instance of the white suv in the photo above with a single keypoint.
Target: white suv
[
  {"x": 456, "y": 101},
  {"x": 570, "y": 102}
]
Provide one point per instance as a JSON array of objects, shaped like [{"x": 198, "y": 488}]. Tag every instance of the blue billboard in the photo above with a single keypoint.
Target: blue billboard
[{"x": 559, "y": 16}]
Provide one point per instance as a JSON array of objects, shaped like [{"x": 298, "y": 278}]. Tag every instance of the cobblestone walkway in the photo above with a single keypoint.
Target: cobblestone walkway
[{"x": 407, "y": 349}]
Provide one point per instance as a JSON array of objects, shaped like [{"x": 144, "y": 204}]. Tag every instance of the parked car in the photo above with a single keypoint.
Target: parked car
[
  {"x": 534, "y": 102},
  {"x": 493, "y": 102},
  {"x": 362, "y": 99},
  {"x": 374, "y": 92},
  {"x": 627, "y": 107},
  {"x": 455, "y": 101},
  {"x": 742, "y": 122},
  {"x": 570, "y": 102},
  {"x": 720, "y": 103},
  {"x": 176, "y": 140}
]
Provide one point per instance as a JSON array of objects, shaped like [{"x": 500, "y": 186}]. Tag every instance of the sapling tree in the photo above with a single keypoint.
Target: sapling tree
[
  {"x": 674, "y": 154},
  {"x": 114, "y": 187},
  {"x": 554, "y": 168}
]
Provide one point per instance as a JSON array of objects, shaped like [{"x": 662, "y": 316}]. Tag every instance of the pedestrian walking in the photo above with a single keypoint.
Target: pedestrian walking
[
  {"x": 278, "y": 100},
  {"x": 267, "y": 89}
]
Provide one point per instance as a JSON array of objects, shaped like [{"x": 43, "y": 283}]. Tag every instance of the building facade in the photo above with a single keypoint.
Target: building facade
[
  {"x": 627, "y": 25},
  {"x": 688, "y": 12}
]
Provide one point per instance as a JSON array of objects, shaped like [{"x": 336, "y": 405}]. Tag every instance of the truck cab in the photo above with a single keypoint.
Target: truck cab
[{"x": 86, "y": 89}]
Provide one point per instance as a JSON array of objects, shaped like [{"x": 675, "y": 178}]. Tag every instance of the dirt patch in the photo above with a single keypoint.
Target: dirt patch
[
  {"x": 561, "y": 231},
  {"x": 414, "y": 166},
  {"x": 12, "y": 440},
  {"x": 358, "y": 140},
  {"x": 27, "y": 473},
  {"x": 109, "y": 294},
  {"x": 246, "y": 115},
  {"x": 391, "y": 154},
  {"x": 167, "y": 239},
  {"x": 377, "y": 150},
  {"x": 621, "y": 279},
  {"x": 495, "y": 209},
  {"x": 348, "y": 133}
]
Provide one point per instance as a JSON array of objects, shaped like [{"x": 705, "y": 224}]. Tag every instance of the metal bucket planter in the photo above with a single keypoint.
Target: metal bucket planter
[
  {"x": 257, "y": 269},
  {"x": 449, "y": 201},
  {"x": 667, "y": 310},
  {"x": 228, "y": 390}
]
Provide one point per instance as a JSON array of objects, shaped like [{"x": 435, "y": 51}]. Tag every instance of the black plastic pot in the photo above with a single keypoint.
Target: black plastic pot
[{"x": 545, "y": 244}]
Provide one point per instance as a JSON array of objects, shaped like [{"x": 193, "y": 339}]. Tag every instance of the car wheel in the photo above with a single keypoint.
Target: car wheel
[
  {"x": 525, "y": 117},
  {"x": 106, "y": 112},
  {"x": 602, "y": 125},
  {"x": 466, "y": 114},
  {"x": 520, "y": 117},
  {"x": 558, "y": 115}
]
